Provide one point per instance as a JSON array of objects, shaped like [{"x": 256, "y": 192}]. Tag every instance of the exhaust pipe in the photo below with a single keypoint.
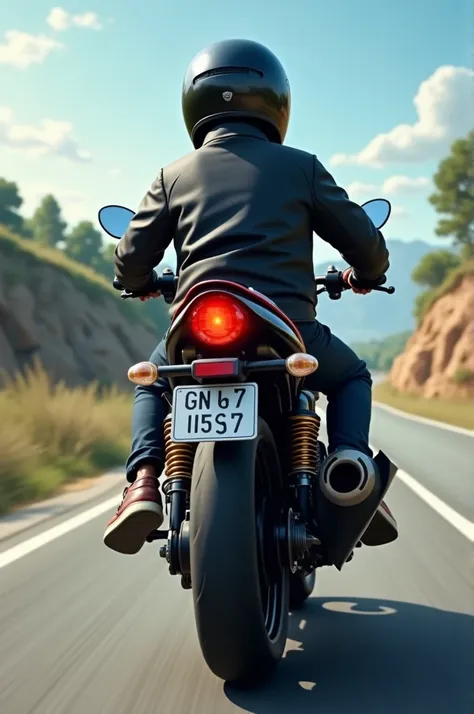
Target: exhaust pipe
[
  {"x": 349, "y": 491},
  {"x": 347, "y": 477}
]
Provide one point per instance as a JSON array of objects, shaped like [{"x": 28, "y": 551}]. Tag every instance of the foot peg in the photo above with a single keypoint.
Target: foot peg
[{"x": 157, "y": 535}]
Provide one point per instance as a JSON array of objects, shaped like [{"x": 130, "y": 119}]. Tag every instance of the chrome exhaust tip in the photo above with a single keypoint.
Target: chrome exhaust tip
[{"x": 347, "y": 477}]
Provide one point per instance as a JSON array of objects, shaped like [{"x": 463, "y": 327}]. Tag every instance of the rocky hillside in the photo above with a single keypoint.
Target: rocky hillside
[
  {"x": 438, "y": 360},
  {"x": 66, "y": 315}
]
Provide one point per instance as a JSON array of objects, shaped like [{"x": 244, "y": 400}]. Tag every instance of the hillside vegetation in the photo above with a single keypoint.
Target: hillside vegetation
[
  {"x": 451, "y": 281},
  {"x": 36, "y": 255},
  {"x": 52, "y": 435},
  {"x": 380, "y": 354}
]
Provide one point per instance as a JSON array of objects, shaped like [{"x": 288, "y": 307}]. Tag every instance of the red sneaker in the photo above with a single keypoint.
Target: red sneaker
[
  {"x": 382, "y": 528},
  {"x": 140, "y": 513}
]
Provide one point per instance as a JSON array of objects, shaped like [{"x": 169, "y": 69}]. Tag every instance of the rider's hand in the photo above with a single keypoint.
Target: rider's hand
[
  {"x": 144, "y": 298},
  {"x": 347, "y": 277}
]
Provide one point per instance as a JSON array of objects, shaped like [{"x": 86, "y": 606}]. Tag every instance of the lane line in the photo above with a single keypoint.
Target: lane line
[
  {"x": 461, "y": 524},
  {"x": 32, "y": 544},
  {"x": 455, "y": 519},
  {"x": 424, "y": 420}
]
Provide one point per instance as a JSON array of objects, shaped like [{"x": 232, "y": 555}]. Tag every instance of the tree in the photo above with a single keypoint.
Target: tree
[
  {"x": 455, "y": 196},
  {"x": 84, "y": 244},
  {"x": 10, "y": 202},
  {"x": 105, "y": 262},
  {"x": 47, "y": 224},
  {"x": 434, "y": 267}
]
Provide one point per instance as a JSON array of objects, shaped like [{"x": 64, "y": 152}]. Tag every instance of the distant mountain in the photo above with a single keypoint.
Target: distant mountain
[{"x": 359, "y": 318}]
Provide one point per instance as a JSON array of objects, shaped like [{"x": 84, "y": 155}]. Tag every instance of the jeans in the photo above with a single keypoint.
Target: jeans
[{"x": 341, "y": 376}]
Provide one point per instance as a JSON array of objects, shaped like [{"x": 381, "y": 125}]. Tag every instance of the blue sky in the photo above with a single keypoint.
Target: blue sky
[{"x": 107, "y": 75}]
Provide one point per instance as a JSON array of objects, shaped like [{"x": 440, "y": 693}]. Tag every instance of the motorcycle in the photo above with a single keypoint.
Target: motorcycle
[{"x": 255, "y": 507}]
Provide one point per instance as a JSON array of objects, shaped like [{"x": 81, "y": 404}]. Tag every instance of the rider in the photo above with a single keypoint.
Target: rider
[{"x": 243, "y": 207}]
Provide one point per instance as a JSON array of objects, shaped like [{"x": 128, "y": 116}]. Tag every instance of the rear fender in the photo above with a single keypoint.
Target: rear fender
[{"x": 282, "y": 337}]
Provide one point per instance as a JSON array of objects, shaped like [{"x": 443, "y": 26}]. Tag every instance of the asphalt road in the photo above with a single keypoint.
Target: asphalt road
[{"x": 86, "y": 631}]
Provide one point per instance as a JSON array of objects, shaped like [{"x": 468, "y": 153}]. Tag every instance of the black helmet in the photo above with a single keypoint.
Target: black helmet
[{"x": 236, "y": 79}]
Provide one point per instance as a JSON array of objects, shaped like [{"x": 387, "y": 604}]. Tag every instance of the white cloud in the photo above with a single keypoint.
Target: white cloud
[
  {"x": 50, "y": 137},
  {"x": 405, "y": 184},
  {"x": 21, "y": 49},
  {"x": 59, "y": 19},
  {"x": 115, "y": 172},
  {"x": 442, "y": 103},
  {"x": 72, "y": 202},
  {"x": 357, "y": 190},
  {"x": 399, "y": 212},
  {"x": 394, "y": 185}
]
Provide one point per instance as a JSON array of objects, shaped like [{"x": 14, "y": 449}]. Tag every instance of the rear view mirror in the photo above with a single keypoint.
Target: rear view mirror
[
  {"x": 378, "y": 210},
  {"x": 115, "y": 220}
]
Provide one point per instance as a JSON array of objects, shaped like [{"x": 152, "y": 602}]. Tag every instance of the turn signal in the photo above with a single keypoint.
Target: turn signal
[
  {"x": 301, "y": 364},
  {"x": 145, "y": 373}
]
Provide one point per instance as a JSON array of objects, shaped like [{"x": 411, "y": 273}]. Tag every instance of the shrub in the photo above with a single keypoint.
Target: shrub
[{"x": 52, "y": 434}]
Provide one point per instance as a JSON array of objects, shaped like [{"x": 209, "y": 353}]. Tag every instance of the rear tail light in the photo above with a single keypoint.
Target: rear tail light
[{"x": 218, "y": 320}]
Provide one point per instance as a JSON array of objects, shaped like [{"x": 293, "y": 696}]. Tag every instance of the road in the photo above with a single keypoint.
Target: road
[{"x": 86, "y": 631}]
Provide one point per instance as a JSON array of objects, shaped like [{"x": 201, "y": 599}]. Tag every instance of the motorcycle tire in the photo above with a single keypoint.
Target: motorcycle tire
[
  {"x": 301, "y": 587},
  {"x": 240, "y": 588}
]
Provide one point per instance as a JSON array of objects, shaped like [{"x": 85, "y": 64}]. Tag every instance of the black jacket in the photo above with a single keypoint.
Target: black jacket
[{"x": 243, "y": 208}]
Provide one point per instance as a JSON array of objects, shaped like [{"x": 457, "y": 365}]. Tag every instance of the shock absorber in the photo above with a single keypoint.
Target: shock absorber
[
  {"x": 179, "y": 460},
  {"x": 304, "y": 425}
]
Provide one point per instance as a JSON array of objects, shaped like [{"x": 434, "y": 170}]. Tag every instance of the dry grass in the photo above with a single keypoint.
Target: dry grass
[
  {"x": 459, "y": 412},
  {"x": 52, "y": 435}
]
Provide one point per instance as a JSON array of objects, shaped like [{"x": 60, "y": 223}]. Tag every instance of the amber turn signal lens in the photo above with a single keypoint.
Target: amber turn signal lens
[
  {"x": 145, "y": 373},
  {"x": 300, "y": 364}
]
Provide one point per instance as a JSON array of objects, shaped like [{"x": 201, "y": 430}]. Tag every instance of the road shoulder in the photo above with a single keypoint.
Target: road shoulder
[{"x": 85, "y": 491}]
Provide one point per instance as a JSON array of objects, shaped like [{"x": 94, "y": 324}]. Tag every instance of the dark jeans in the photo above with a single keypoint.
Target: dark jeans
[{"x": 341, "y": 376}]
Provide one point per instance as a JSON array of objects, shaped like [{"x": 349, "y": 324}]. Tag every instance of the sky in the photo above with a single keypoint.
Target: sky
[{"x": 90, "y": 94}]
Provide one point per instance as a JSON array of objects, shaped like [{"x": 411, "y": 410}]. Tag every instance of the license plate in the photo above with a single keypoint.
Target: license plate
[{"x": 215, "y": 413}]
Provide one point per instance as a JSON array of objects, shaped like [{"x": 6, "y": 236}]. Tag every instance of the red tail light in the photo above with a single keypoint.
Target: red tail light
[{"x": 218, "y": 320}]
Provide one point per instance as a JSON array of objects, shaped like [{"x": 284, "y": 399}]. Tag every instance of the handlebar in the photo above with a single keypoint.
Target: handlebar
[
  {"x": 332, "y": 283},
  {"x": 166, "y": 283}
]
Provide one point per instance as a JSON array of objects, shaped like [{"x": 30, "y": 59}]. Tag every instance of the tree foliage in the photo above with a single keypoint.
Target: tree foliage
[
  {"x": 10, "y": 203},
  {"x": 379, "y": 354},
  {"x": 433, "y": 268},
  {"x": 84, "y": 243},
  {"x": 454, "y": 197},
  {"x": 47, "y": 224}
]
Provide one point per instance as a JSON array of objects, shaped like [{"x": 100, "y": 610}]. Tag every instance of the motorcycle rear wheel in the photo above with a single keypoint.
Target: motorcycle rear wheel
[
  {"x": 301, "y": 587},
  {"x": 240, "y": 588}
]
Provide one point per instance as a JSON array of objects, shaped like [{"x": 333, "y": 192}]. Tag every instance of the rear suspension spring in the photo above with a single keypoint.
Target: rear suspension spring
[
  {"x": 304, "y": 442},
  {"x": 179, "y": 458}
]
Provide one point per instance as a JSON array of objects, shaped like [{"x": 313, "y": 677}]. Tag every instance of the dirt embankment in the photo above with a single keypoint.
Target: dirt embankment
[
  {"x": 67, "y": 316},
  {"x": 438, "y": 360}
]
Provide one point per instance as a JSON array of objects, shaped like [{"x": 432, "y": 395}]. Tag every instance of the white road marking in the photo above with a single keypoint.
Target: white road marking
[
  {"x": 32, "y": 544},
  {"x": 461, "y": 524},
  {"x": 424, "y": 420}
]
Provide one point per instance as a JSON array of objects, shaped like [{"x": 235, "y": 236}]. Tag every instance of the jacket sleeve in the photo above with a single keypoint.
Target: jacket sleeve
[
  {"x": 346, "y": 226},
  {"x": 143, "y": 245}
]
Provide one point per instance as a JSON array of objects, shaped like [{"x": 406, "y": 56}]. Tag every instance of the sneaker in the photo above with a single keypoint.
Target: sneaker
[
  {"x": 140, "y": 513},
  {"x": 382, "y": 528}
]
